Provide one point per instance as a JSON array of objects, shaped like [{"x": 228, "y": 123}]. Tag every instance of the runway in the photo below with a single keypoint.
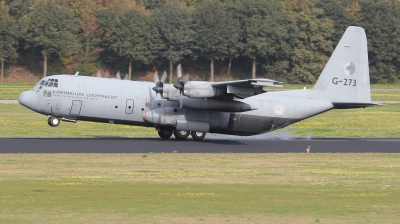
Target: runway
[{"x": 209, "y": 145}]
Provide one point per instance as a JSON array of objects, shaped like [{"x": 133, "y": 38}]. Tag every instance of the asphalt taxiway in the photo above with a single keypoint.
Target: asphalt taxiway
[{"x": 209, "y": 145}]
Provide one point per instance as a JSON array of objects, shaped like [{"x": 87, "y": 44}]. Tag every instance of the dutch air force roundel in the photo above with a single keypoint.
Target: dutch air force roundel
[
  {"x": 349, "y": 68},
  {"x": 278, "y": 109}
]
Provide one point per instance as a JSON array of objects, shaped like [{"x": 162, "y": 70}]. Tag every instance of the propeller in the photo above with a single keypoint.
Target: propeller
[
  {"x": 159, "y": 83},
  {"x": 98, "y": 74},
  {"x": 180, "y": 85},
  {"x": 118, "y": 75}
]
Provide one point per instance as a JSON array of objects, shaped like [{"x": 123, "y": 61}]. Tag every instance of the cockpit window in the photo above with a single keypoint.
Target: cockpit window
[{"x": 48, "y": 83}]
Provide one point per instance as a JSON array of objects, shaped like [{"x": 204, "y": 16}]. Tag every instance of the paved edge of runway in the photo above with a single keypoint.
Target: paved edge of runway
[{"x": 217, "y": 144}]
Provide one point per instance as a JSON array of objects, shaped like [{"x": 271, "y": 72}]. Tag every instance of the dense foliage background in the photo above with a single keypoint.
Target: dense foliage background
[{"x": 290, "y": 40}]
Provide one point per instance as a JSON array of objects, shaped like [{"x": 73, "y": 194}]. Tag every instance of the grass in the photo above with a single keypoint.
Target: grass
[
  {"x": 199, "y": 188},
  {"x": 380, "y": 121},
  {"x": 18, "y": 121},
  {"x": 380, "y": 92}
]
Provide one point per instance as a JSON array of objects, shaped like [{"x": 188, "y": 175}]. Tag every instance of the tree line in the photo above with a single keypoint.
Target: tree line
[{"x": 289, "y": 39}]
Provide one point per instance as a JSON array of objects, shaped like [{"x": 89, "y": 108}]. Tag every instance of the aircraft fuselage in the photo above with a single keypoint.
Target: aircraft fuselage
[{"x": 134, "y": 103}]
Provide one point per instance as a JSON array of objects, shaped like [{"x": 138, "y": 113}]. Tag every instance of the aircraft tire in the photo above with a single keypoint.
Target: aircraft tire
[
  {"x": 181, "y": 135},
  {"x": 53, "y": 121},
  {"x": 164, "y": 134},
  {"x": 198, "y": 136}
]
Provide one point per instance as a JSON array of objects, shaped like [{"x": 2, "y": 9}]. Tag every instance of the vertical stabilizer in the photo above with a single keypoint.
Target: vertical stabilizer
[{"x": 345, "y": 77}]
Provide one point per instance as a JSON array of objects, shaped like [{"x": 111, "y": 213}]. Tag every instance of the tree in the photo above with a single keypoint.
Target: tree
[
  {"x": 217, "y": 32},
  {"x": 90, "y": 28},
  {"x": 381, "y": 21},
  {"x": 175, "y": 26},
  {"x": 8, "y": 37},
  {"x": 264, "y": 25},
  {"x": 311, "y": 33},
  {"x": 51, "y": 29},
  {"x": 341, "y": 19},
  {"x": 129, "y": 32}
]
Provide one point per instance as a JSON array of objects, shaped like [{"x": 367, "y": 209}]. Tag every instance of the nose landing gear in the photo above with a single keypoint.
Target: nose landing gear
[{"x": 53, "y": 121}]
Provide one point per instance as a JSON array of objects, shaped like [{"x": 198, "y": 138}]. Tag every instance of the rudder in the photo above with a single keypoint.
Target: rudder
[{"x": 345, "y": 78}]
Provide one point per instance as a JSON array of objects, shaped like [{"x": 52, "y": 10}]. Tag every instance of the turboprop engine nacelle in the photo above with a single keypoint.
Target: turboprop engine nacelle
[
  {"x": 198, "y": 89},
  {"x": 161, "y": 116},
  {"x": 216, "y": 105},
  {"x": 170, "y": 93},
  {"x": 164, "y": 116}
]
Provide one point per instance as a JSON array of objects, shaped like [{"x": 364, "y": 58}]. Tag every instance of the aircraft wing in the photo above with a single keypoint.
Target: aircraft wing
[
  {"x": 247, "y": 83},
  {"x": 244, "y": 88}
]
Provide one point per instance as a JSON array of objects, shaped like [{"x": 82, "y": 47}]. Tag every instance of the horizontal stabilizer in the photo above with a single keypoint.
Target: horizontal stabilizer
[{"x": 351, "y": 105}]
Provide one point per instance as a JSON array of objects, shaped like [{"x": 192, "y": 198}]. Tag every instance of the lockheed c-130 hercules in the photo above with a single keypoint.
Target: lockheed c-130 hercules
[{"x": 239, "y": 107}]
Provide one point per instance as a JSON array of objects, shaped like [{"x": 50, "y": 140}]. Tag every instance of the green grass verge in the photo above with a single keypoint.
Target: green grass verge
[
  {"x": 380, "y": 121},
  {"x": 309, "y": 86},
  {"x": 199, "y": 188},
  {"x": 18, "y": 121},
  {"x": 11, "y": 91}
]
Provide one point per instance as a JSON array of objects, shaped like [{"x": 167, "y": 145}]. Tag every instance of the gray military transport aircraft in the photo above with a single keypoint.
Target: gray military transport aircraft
[{"x": 239, "y": 107}]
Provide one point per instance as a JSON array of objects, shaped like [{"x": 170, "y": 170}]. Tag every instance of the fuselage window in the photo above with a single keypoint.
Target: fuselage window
[{"x": 50, "y": 84}]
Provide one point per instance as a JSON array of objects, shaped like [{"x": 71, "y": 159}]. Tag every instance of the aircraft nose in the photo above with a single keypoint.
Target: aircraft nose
[{"x": 29, "y": 99}]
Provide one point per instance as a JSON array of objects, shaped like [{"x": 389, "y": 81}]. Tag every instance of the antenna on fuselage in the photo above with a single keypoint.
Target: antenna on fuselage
[{"x": 77, "y": 73}]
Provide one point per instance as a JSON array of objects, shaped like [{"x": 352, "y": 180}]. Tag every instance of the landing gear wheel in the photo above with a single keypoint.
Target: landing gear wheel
[
  {"x": 198, "y": 136},
  {"x": 164, "y": 134},
  {"x": 53, "y": 121},
  {"x": 181, "y": 135}
]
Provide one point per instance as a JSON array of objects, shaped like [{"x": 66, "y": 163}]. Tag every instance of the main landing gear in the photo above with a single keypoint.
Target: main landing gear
[
  {"x": 53, "y": 121},
  {"x": 164, "y": 134},
  {"x": 181, "y": 135}
]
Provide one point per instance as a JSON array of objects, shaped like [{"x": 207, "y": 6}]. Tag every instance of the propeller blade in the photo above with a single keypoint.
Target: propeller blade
[
  {"x": 118, "y": 75},
  {"x": 180, "y": 103},
  {"x": 99, "y": 74},
  {"x": 180, "y": 84},
  {"x": 155, "y": 77},
  {"x": 159, "y": 83},
  {"x": 179, "y": 71},
  {"x": 164, "y": 76},
  {"x": 186, "y": 78}
]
